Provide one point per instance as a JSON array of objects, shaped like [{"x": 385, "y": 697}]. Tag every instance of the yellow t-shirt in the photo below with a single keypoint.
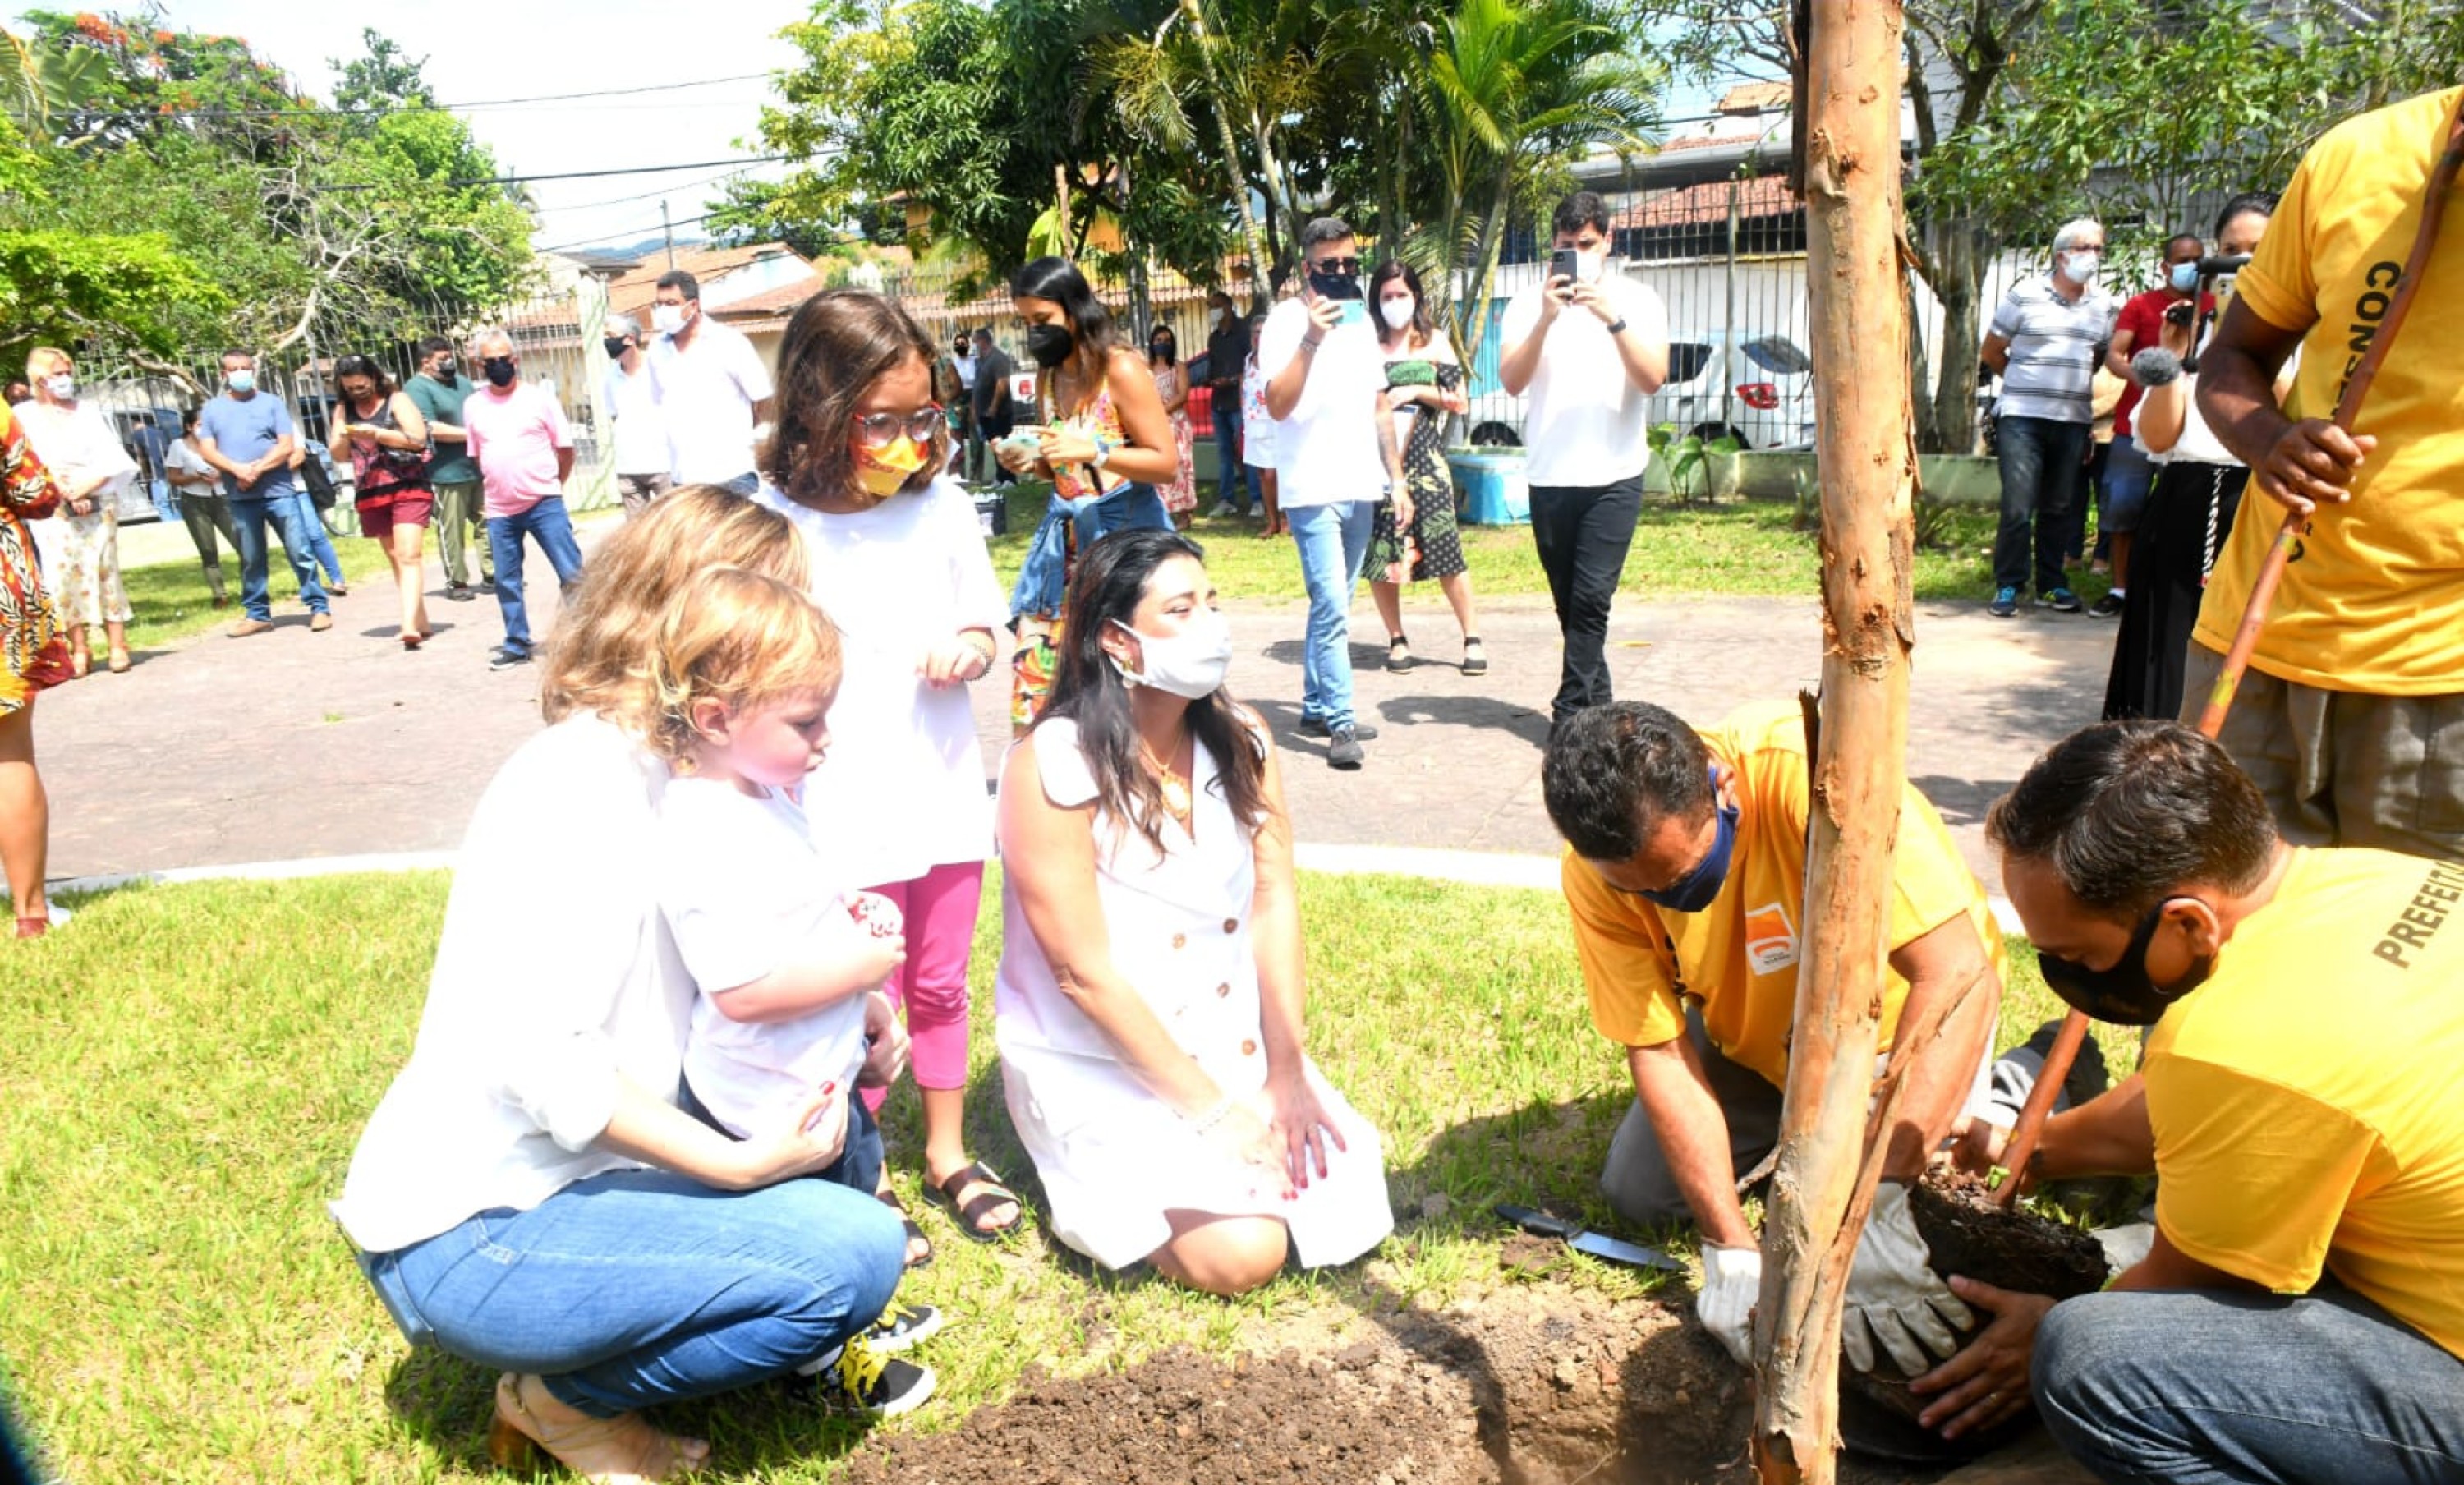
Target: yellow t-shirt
[
  {"x": 2373, "y": 600},
  {"x": 1739, "y": 955},
  {"x": 2308, "y": 1100}
]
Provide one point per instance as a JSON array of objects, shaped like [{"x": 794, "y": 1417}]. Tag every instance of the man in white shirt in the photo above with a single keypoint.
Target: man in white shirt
[
  {"x": 710, "y": 388},
  {"x": 642, "y": 456},
  {"x": 1588, "y": 349},
  {"x": 1335, "y": 443}
]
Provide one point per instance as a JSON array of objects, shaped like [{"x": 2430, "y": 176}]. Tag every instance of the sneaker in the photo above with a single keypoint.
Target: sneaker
[
  {"x": 247, "y": 627},
  {"x": 2109, "y": 606},
  {"x": 1316, "y": 728},
  {"x": 1343, "y": 749},
  {"x": 2006, "y": 603},
  {"x": 903, "y": 1326},
  {"x": 505, "y": 657},
  {"x": 882, "y": 1385},
  {"x": 459, "y": 592},
  {"x": 1222, "y": 509},
  {"x": 320, "y": 621},
  {"x": 2060, "y": 600},
  {"x": 335, "y": 587}
]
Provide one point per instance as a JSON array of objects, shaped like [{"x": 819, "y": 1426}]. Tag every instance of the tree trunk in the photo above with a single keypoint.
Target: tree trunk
[
  {"x": 1955, "y": 244},
  {"x": 1821, "y": 1185},
  {"x": 1230, "y": 144},
  {"x": 1471, "y": 316}
]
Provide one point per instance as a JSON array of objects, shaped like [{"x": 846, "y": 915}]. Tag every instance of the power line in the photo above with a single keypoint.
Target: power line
[
  {"x": 582, "y": 175},
  {"x": 416, "y": 109}
]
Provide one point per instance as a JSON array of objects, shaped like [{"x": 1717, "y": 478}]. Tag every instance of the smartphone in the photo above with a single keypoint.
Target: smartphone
[
  {"x": 1354, "y": 312},
  {"x": 1025, "y": 434},
  {"x": 1564, "y": 264},
  {"x": 2179, "y": 314}
]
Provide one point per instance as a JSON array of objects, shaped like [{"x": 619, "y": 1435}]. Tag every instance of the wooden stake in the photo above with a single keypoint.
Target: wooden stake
[{"x": 1848, "y": 123}]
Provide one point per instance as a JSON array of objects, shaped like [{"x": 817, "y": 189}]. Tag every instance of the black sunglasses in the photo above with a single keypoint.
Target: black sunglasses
[{"x": 1349, "y": 266}]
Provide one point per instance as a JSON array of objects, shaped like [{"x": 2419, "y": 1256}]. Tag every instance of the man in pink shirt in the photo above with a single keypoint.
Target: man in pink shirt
[{"x": 525, "y": 451}]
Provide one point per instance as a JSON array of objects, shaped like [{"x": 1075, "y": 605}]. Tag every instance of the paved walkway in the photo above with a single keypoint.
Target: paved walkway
[{"x": 293, "y": 745}]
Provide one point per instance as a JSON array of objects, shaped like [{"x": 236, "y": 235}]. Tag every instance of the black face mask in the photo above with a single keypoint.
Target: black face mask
[
  {"x": 1161, "y": 349},
  {"x": 615, "y": 345},
  {"x": 500, "y": 369},
  {"x": 2122, "y": 994},
  {"x": 1334, "y": 286},
  {"x": 444, "y": 376},
  {"x": 1050, "y": 344}
]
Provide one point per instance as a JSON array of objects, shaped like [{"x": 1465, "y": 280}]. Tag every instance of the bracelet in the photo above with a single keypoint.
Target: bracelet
[
  {"x": 1312, "y": 341},
  {"x": 1616, "y": 327}
]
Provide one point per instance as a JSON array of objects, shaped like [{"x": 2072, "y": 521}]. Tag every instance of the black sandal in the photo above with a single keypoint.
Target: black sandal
[
  {"x": 1398, "y": 653},
  {"x": 1475, "y": 658},
  {"x": 969, "y": 1217},
  {"x": 915, "y": 1235}
]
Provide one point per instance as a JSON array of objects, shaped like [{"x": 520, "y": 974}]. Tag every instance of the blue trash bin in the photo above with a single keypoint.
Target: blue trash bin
[{"x": 1492, "y": 485}]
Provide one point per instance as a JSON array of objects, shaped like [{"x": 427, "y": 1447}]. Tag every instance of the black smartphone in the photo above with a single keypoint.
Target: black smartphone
[
  {"x": 1562, "y": 264},
  {"x": 2179, "y": 314}
]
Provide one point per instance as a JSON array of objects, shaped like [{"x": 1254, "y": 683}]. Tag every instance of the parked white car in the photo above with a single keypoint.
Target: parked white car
[{"x": 1757, "y": 388}]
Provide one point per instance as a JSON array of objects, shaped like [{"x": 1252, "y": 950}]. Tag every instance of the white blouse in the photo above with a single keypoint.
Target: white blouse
[
  {"x": 555, "y": 977},
  {"x": 904, "y": 790}
]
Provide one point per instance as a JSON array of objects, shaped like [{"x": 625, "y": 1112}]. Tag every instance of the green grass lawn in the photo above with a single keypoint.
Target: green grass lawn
[
  {"x": 1733, "y": 549},
  {"x": 187, "y": 1070}
]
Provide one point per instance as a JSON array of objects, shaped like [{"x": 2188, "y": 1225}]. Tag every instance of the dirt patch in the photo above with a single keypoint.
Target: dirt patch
[{"x": 1533, "y": 1385}]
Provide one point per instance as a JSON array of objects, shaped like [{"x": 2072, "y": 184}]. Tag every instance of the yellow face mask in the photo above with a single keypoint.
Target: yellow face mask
[{"x": 885, "y": 470}]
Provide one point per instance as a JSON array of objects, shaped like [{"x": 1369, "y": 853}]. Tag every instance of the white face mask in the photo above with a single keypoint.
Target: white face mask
[
  {"x": 63, "y": 387},
  {"x": 2080, "y": 265},
  {"x": 1397, "y": 312},
  {"x": 667, "y": 319},
  {"x": 1213, "y": 319},
  {"x": 1590, "y": 266},
  {"x": 1191, "y": 664}
]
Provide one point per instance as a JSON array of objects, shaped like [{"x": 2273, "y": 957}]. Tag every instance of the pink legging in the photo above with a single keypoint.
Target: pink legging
[{"x": 940, "y": 909}]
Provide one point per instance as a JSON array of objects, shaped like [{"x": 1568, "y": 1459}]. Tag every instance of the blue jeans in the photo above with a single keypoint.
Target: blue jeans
[
  {"x": 641, "y": 1287},
  {"x": 2129, "y": 476},
  {"x": 166, "y": 504},
  {"x": 547, "y": 524},
  {"x": 1332, "y": 539},
  {"x": 2041, "y": 472},
  {"x": 1228, "y": 449},
  {"x": 293, "y": 518},
  {"x": 2195, "y": 1386},
  {"x": 320, "y": 544},
  {"x": 1257, "y": 478},
  {"x": 1126, "y": 508}
]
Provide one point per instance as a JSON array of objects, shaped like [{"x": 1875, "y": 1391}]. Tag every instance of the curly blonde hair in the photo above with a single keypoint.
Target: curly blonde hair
[
  {"x": 599, "y": 659},
  {"x": 743, "y": 639}
]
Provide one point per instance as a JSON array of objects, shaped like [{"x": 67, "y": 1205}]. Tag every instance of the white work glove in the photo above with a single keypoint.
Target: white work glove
[
  {"x": 1732, "y": 1281},
  {"x": 1894, "y": 1293}
]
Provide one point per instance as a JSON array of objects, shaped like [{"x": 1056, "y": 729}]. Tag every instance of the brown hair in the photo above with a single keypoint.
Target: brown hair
[
  {"x": 837, "y": 345},
  {"x": 743, "y": 639},
  {"x": 600, "y": 658}
]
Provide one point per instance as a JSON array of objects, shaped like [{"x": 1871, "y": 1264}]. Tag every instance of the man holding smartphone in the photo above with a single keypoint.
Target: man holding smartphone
[
  {"x": 1334, "y": 447},
  {"x": 1587, "y": 347}
]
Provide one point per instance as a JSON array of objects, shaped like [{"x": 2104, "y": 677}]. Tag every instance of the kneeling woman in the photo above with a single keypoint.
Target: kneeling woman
[
  {"x": 1153, "y": 1048},
  {"x": 528, "y": 1194}
]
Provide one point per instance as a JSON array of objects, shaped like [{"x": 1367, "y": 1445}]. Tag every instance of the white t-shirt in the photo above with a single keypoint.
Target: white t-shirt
[
  {"x": 641, "y": 434},
  {"x": 555, "y": 977},
  {"x": 904, "y": 790},
  {"x": 706, "y": 395},
  {"x": 77, "y": 443},
  {"x": 1327, "y": 450},
  {"x": 1586, "y": 424},
  {"x": 2198, "y": 443},
  {"x": 744, "y": 890},
  {"x": 966, "y": 365}
]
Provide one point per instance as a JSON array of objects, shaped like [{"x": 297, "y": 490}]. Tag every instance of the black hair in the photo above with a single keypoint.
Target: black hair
[
  {"x": 838, "y": 344},
  {"x": 683, "y": 282},
  {"x": 430, "y": 346},
  {"x": 1171, "y": 336},
  {"x": 1421, "y": 327},
  {"x": 1325, "y": 229},
  {"x": 1583, "y": 208},
  {"x": 1090, "y": 324},
  {"x": 247, "y": 356},
  {"x": 362, "y": 366},
  {"x": 187, "y": 418},
  {"x": 2178, "y": 238},
  {"x": 1614, "y": 772},
  {"x": 2130, "y": 812},
  {"x": 1109, "y": 582},
  {"x": 2262, "y": 202}
]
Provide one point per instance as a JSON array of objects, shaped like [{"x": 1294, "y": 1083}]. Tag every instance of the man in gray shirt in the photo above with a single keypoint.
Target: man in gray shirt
[{"x": 2046, "y": 342}]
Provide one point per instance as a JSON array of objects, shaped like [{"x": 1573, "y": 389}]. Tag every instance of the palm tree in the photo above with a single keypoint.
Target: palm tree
[{"x": 1515, "y": 91}]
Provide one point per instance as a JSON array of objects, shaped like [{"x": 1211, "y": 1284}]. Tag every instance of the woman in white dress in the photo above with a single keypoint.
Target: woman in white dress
[{"x": 1153, "y": 1048}]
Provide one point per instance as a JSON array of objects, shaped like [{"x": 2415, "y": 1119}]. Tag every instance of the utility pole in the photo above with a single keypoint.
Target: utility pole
[
  {"x": 668, "y": 231},
  {"x": 1847, "y": 120}
]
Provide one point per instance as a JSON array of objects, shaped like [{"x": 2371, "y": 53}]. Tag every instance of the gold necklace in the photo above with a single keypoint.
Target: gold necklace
[{"x": 1175, "y": 789}]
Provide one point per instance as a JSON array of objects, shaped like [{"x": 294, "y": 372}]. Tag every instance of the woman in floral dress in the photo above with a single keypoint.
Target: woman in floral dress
[
  {"x": 33, "y": 654},
  {"x": 1171, "y": 385},
  {"x": 1424, "y": 383}
]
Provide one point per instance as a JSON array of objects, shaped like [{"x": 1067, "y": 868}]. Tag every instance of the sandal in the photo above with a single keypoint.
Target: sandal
[
  {"x": 1475, "y": 658},
  {"x": 915, "y": 1235},
  {"x": 119, "y": 662},
  {"x": 80, "y": 664},
  {"x": 968, "y": 1216},
  {"x": 619, "y": 1450},
  {"x": 1398, "y": 653}
]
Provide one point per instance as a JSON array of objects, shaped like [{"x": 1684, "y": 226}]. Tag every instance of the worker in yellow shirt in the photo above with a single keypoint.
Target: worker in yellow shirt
[
  {"x": 2351, "y": 718},
  {"x": 2301, "y": 1316},
  {"x": 1684, "y": 871}
]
